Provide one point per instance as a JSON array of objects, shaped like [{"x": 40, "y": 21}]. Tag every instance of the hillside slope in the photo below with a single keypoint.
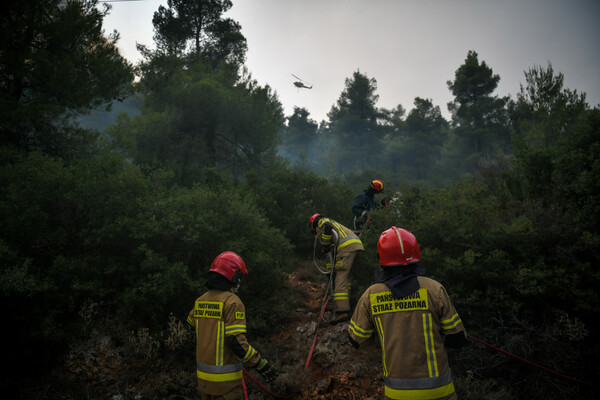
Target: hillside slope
[{"x": 117, "y": 365}]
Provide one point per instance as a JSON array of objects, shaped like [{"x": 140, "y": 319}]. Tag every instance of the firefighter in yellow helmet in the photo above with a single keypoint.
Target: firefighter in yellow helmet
[
  {"x": 414, "y": 319},
  {"x": 219, "y": 320},
  {"x": 339, "y": 239}
]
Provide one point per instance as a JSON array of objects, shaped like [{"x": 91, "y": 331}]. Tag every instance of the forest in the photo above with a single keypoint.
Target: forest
[{"x": 108, "y": 229}]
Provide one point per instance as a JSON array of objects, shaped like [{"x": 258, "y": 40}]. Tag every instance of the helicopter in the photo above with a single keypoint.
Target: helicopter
[{"x": 300, "y": 83}]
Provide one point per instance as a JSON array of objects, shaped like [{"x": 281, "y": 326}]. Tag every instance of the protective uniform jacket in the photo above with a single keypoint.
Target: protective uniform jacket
[
  {"x": 219, "y": 320},
  {"x": 346, "y": 244},
  {"x": 411, "y": 331},
  {"x": 344, "y": 240},
  {"x": 364, "y": 202}
]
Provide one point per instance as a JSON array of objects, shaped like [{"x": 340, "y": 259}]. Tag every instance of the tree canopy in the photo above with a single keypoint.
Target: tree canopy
[
  {"x": 56, "y": 62},
  {"x": 198, "y": 28},
  {"x": 479, "y": 117}
]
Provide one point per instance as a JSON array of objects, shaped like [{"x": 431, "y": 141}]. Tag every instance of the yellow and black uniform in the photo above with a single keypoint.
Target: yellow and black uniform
[
  {"x": 347, "y": 244},
  {"x": 219, "y": 320},
  {"x": 411, "y": 332}
]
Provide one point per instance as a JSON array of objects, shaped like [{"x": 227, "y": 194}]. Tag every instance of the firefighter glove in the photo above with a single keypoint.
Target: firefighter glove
[
  {"x": 267, "y": 370},
  {"x": 328, "y": 228}
]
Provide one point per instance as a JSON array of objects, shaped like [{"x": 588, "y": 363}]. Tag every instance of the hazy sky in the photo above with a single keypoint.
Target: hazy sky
[{"x": 411, "y": 47}]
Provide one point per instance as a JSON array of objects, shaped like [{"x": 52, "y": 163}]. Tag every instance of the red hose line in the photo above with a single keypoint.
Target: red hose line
[
  {"x": 244, "y": 388},
  {"x": 312, "y": 348},
  {"x": 546, "y": 370},
  {"x": 263, "y": 388}
]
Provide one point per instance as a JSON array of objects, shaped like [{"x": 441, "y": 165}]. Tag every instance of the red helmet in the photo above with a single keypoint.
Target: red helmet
[
  {"x": 377, "y": 185},
  {"x": 311, "y": 221},
  {"x": 231, "y": 266},
  {"x": 397, "y": 246}
]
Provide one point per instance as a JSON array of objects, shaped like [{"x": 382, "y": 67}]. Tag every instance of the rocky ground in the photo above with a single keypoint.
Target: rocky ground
[{"x": 336, "y": 370}]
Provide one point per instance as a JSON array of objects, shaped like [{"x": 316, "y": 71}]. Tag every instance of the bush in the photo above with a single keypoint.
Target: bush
[
  {"x": 288, "y": 198},
  {"x": 105, "y": 232}
]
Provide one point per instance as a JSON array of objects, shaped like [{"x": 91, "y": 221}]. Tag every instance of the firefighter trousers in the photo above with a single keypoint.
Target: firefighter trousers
[{"x": 342, "y": 285}]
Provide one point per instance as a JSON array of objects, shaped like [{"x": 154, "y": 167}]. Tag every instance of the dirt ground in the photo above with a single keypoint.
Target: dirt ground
[{"x": 336, "y": 370}]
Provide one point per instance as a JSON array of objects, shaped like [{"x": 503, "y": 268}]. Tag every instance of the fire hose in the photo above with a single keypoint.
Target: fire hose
[{"x": 527, "y": 362}]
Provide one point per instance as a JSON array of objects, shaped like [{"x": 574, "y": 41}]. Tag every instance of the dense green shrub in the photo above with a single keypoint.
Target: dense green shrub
[
  {"x": 288, "y": 198},
  {"x": 106, "y": 232}
]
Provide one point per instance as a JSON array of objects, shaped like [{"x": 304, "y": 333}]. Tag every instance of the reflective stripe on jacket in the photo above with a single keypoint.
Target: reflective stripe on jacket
[
  {"x": 346, "y": 239},
  {"x": 219, "y": 373},
  {"x": 411, "y": 332}
]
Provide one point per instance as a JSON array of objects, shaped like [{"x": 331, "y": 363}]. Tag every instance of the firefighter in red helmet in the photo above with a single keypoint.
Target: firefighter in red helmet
[
  {"x": 345, "y": 245},
  {"x": 414, "y": 319},
  {"x": 219, "y": 320},
  {"x": 365, "y": 202}
]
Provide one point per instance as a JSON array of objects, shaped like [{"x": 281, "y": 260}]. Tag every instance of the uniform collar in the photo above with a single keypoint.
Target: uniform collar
[{"x": 402, "y": 280}]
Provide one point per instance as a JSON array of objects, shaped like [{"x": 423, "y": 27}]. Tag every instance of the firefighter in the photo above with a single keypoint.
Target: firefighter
[
  {"x": 365, "y": 202},
  {"x": 414, "y": 319},
  {"x": 219, "y": 320},
  {"x": 344, "y": 244}
]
